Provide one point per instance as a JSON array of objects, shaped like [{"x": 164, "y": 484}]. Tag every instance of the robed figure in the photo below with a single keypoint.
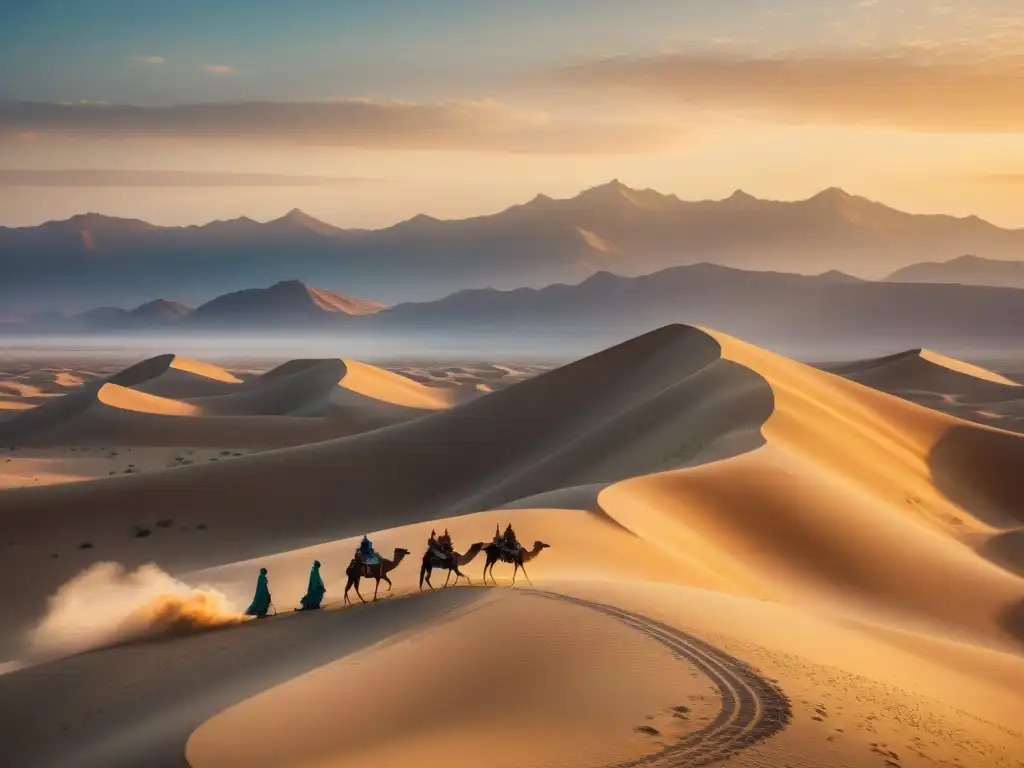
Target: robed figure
[
  {"x": 261, "y": 601},
  {"x": 316, "y": 589}
]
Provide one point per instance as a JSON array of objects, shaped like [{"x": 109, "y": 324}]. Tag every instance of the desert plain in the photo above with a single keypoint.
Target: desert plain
[{"x": 734, "y": 558}]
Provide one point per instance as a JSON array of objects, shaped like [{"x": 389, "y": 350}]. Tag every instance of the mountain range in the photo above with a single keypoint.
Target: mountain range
[
  {"x": 91, "y": 260},
  {"x": 288, "y": 303},
  {"x": 783, "y": 311},
  {"x": 966, "y": 270}
]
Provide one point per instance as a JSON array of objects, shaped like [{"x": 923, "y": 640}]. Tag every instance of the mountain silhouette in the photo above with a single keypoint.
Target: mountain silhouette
[
  {"x": 790, "y": 312},
  {"x": 93, "y": 260},
  {"x": 966, "y": 270},
  {"x": 286, "y": 302}
]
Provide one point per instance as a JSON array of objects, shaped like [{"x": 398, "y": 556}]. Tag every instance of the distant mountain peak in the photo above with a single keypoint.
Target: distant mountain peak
[
  {"x": 838, "y": 276},
  {"x": 741, "y": 199},
  {"x": 968, "y": 269},
  {"x": 284, "y": 300},
  {"x": 616, "y": 195},
  {"x": 100, "y": 222},
  {"x": 159, "y": 310},
  {"x": 419, "y": 221},
  {"x": 299, "y": 220},
  {"x": 610, "y": 189},
  {"x": 832, "y": 194}
]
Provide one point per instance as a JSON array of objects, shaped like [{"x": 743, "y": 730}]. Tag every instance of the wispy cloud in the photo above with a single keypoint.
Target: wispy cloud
[
  {"x": 921, "y": 87},
  {"x": 219, "y": 69},
  {"x": 478, "y": 125},
  {"x": 161, "y": 178},
  {"x": 150, "y": 59}
]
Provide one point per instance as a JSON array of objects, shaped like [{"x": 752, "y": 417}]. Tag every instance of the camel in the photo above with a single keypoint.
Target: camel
[
  {"x": 452, "y": 563},
  {"x": 357, "y": 570},
  {"x": 518, "y": 559}
]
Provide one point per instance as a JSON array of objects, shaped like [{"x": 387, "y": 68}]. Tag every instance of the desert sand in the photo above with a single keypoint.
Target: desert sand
[{"x": 733, "y": 559}]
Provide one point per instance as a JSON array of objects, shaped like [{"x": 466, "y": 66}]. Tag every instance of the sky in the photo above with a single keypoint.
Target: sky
[{"x": 364, "y": 114}]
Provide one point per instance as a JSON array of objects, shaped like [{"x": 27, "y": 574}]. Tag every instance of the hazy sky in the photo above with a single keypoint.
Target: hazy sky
[{"x": 365, "y": 113}]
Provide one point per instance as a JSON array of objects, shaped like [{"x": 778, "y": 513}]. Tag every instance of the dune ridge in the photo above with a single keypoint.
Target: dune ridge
[
  {"x": 224, "y": 411},
  {"x": 943, "y": 383}
]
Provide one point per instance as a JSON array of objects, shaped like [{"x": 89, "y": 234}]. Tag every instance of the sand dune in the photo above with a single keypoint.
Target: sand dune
[
  {"x": 674, "y": 398},
  {"x": 945, "y": 384},
  {"x": 709, "y": 505},
  {"x": 922, "y": 369},
  {"x": 176, "y": 377},
  {"x": 316, "y": 387},
  {"x": 349, "y": 397}
]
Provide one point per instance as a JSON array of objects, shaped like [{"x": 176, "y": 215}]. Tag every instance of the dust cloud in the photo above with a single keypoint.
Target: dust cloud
[{"x": 106, "y": 605}]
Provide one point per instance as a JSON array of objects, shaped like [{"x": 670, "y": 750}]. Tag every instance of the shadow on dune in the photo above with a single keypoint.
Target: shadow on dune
[
  {"x": 1012, "y": 619},
  {"x": 982, "y": 470},
  {"x": 1006, "y": 550},
  {"x": 656, "y": 402},
  {"x": 138, "y": 704}
]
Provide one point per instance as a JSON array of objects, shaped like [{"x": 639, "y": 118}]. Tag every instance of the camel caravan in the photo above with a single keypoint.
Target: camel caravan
[{"x": 367, "y": 563}]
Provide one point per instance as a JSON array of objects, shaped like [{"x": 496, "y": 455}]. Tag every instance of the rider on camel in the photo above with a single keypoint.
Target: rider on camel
[
  {"x": 445, "y": 543},
  {"x": 366, "y": 552},
  {"x": 509, "y": 539},
  {"x": 434, "y": 546}
]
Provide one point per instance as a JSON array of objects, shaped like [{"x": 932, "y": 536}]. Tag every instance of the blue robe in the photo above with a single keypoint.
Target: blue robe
[
  {"x": 315, "y": 591},
  {"x": 370, "y": 557},
  {"x": 261, "y": 601}
]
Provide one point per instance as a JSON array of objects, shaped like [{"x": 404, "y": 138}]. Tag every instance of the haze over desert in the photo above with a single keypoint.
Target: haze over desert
[{"x": 512, "y": 385}]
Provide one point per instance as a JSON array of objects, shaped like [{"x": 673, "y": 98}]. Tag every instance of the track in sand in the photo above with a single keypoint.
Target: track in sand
[{"x": 753, "y": 708}]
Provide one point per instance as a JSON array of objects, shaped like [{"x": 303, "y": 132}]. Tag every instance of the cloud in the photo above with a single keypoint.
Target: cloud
[
  {"x": 219, "y": 69},
  {"x": 923, "y": 87},
  {"x": 150, "y": 59},
  {"x": 160, "y": 178},
  {"x": 358, "y": 123}
]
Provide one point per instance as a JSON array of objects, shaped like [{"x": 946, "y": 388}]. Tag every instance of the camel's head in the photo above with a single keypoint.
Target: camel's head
[
  {"x": 540, "y": 545},
  {"x": 400, "y": 551}
]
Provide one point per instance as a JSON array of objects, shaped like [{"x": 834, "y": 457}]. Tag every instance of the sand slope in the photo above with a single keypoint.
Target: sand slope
[
  {"x": 709, "y": 502},
  {"x": 944, "y": 383}
]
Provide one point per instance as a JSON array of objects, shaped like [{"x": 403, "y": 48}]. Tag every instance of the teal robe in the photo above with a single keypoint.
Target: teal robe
[
  {"x": 261, "y": 601},
  {"x": 315, "y": 591}
]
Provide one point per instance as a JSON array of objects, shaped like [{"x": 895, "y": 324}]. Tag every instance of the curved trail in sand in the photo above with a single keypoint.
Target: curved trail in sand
[{"x": 753, "y": 708}]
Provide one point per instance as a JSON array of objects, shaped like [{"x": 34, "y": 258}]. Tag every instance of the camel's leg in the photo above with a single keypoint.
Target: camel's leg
[
  {"x": 348, "y": 586},
  {"x": 425, "y": 574},
  {"x": 375, "y": 589},
  {"x": 355, "y": 585},
  {"x": 385, "y": 577},
  {"x": 526, "y": 574},
  {"x": 515, "y": 570},
  {"x": 485, "y": 573}
]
